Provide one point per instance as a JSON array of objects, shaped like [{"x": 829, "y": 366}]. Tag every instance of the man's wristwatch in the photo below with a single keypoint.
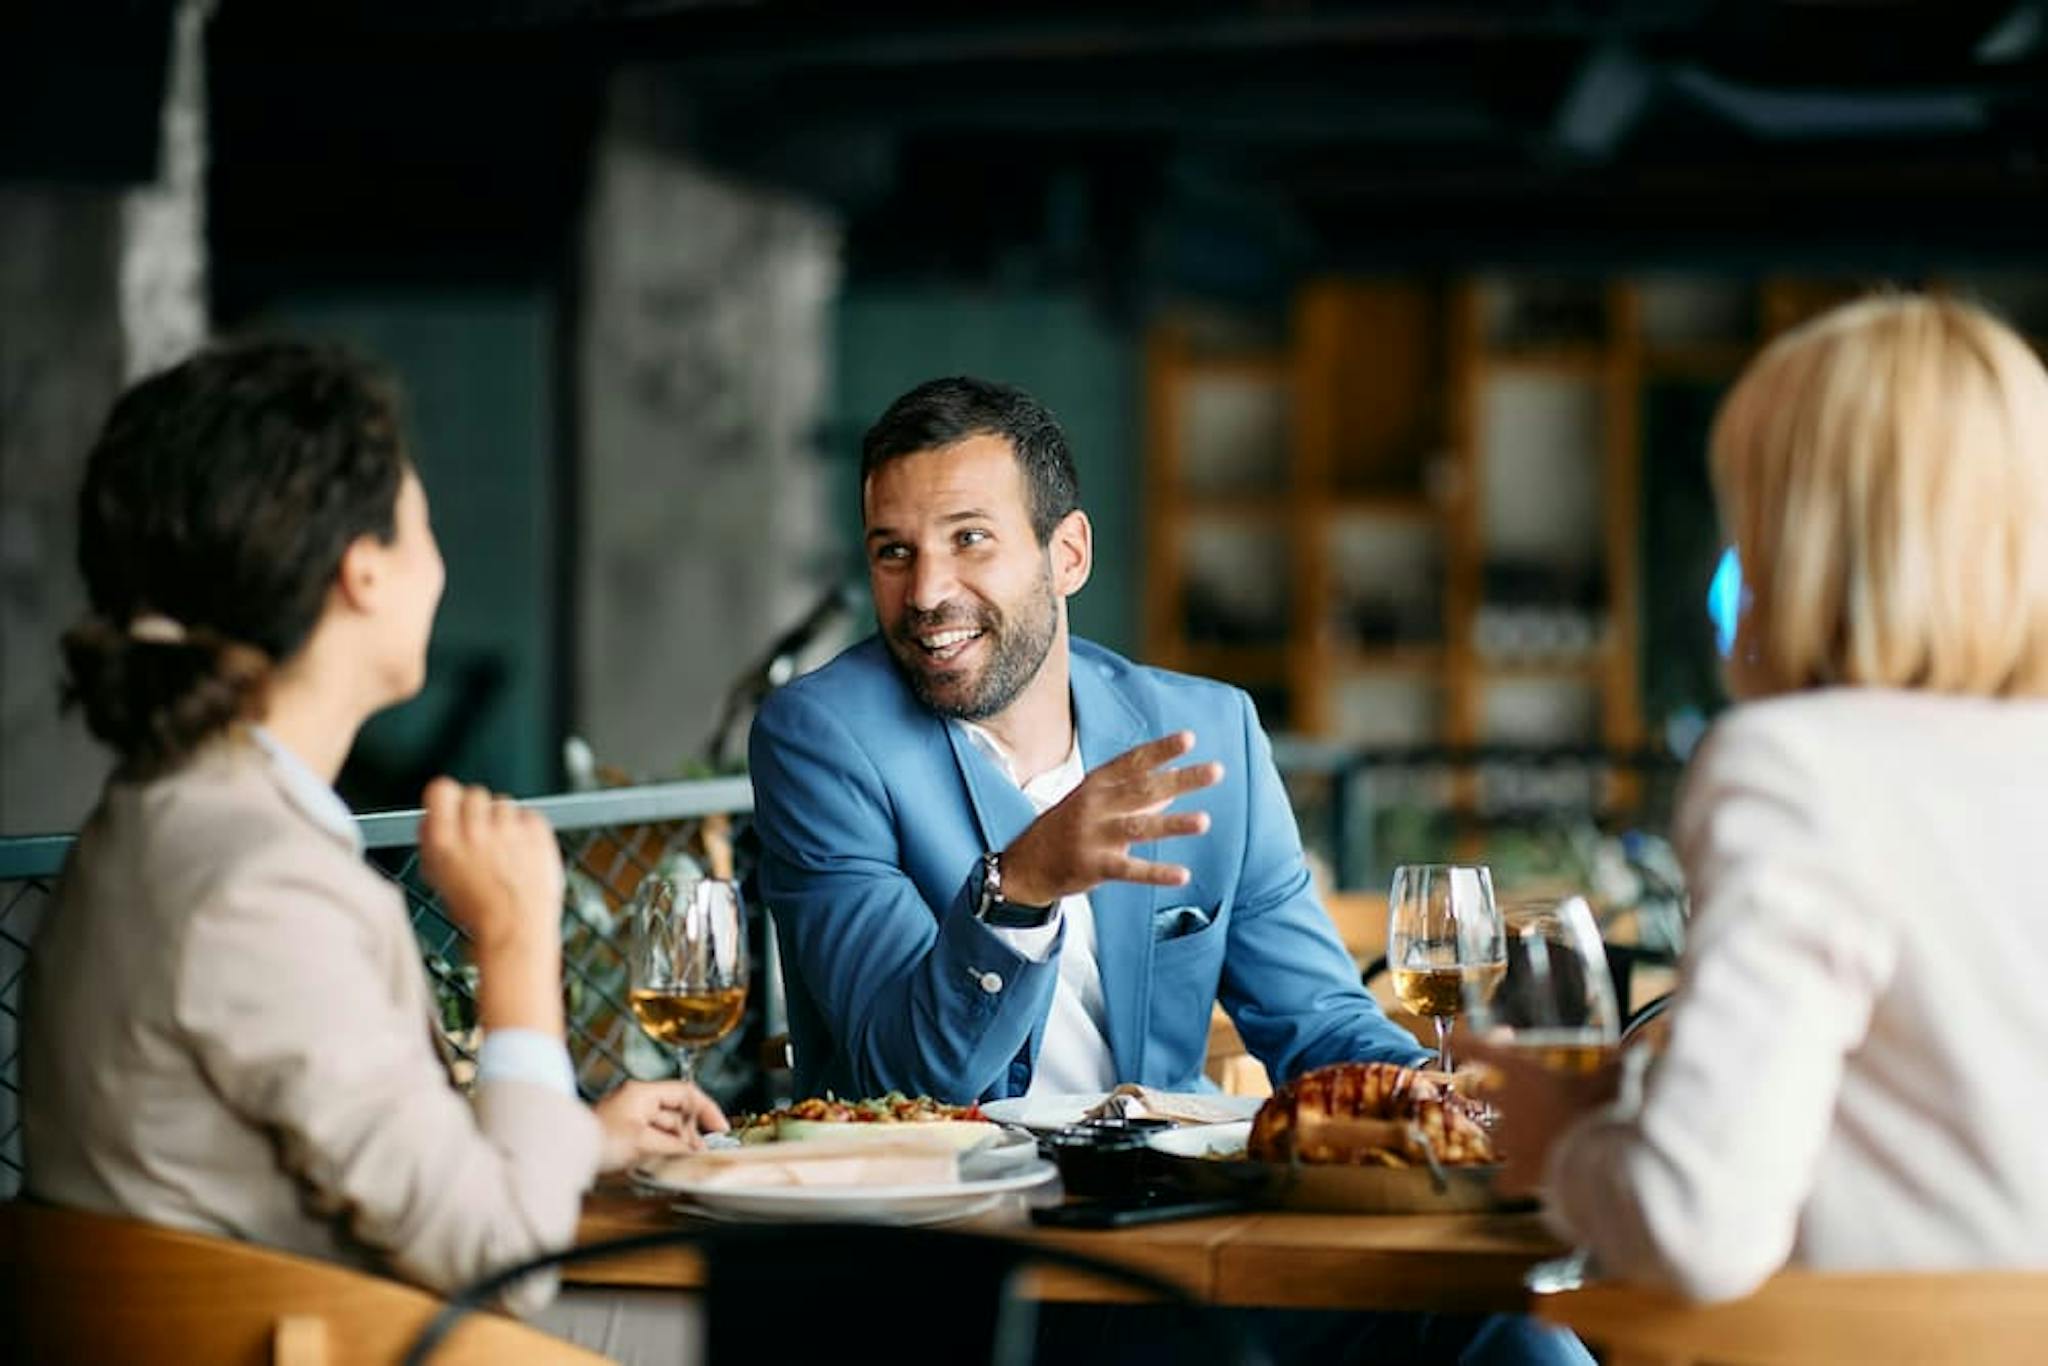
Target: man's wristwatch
[{"x": 991, "y": 909}]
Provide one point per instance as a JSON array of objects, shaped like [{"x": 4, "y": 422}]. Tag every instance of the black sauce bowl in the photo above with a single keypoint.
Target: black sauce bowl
[{"x": 1102, "y": 1157}]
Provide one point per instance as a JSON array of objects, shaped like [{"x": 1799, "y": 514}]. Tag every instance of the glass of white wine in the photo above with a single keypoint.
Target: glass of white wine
[
  {"x": 1556, "y": 1003},
  {"x": 688, "y": 963},
  {"x": 1443, "y": 942},
  {"x": 1555, "y": 999}
]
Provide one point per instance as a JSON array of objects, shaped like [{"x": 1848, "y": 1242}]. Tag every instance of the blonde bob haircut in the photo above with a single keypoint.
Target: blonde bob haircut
[{"x": 1883, "y": 471}]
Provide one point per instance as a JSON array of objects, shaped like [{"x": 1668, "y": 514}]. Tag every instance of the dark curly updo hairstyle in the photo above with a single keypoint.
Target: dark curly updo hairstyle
[{"x": 220, "y": 497}]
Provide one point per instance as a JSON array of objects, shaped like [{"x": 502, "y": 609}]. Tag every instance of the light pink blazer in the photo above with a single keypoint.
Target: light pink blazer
[
  {"x": 228, "y": 1028},
  {"x": 1859, "y": 1045}
]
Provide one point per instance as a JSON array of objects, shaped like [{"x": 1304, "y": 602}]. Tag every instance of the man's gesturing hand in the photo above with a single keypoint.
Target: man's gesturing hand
[{"x": 1086, "y": 840}]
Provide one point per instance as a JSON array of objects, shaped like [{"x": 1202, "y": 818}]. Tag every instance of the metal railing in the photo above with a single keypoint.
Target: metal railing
[{"x": 610, "y": 840}]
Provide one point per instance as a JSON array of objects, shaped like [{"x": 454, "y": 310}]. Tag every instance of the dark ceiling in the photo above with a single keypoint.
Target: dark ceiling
[{"x": 1214, "y": 145}]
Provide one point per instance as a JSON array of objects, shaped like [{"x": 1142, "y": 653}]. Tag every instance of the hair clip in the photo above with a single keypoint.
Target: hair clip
[{"x": 157, "y": 629}]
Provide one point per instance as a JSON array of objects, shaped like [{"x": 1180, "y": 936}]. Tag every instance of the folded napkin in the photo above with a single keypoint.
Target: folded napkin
[
  {"x": 913, "y": 1161},
  {"x": 1131, "y": 1101}
]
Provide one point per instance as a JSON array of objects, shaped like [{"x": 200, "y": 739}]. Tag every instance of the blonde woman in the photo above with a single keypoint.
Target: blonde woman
[{"x": 1860, "y": 1032}]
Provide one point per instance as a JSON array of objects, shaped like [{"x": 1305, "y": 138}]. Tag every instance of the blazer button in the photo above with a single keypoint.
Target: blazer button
[{"x": 991, "y": 982}]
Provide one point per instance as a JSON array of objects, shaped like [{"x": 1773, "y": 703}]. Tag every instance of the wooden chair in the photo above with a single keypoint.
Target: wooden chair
[
  {"x": 88, "y": 1288},
  {"x": 1649, "y": 1025},
  {"x": 1986, "y": 1318},
  {"x": 960, "y": 1287}
]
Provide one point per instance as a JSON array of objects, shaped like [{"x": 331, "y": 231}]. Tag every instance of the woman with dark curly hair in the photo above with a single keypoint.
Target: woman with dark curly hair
[{"x": 228, "y": 1025}]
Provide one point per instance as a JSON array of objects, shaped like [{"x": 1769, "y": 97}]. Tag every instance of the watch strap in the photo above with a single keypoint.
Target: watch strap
[{"x": 992, "y": 909}]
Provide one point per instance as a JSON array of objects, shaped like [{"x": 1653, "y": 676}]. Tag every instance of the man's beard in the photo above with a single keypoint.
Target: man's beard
[{"x": 1017, "y": 648}]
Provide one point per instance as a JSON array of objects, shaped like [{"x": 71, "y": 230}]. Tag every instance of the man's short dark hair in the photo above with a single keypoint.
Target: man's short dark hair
[{"x": 940, "y": 412}]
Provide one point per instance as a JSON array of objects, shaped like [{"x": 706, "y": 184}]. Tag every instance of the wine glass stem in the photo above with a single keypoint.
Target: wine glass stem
[
  {"x": 1443, "y": 1041},
  {"x": 686, "y": 1064}
]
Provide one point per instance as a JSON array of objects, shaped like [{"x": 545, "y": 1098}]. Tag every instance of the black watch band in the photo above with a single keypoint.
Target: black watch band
[{"x": 991, "y": 909}]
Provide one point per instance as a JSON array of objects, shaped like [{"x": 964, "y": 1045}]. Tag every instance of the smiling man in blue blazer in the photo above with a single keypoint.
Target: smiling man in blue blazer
[{"x": 1001, "y": 859}]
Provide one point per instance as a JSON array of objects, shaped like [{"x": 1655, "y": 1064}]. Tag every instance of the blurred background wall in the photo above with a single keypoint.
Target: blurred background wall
[
  {"x": 706, "y": 350},
  {"x": 1387, "y": 334},
  {"x": 102, "y": 280}
]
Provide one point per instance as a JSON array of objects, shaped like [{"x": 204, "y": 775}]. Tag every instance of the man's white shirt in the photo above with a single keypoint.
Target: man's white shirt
[{"x": 1074, "y": 1054}]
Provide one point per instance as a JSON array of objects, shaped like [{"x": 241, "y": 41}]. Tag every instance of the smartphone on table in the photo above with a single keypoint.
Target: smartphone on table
[{"x": 1146, "y": 1205}]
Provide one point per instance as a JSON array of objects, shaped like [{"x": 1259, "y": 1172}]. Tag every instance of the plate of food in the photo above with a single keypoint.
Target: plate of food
[
  {"x": 878, "y": 1120},
  {"x": 918, "y": 1175},
  {"x": 1368, "y": 1138},
  {"x": 1181, "y": 1109}
]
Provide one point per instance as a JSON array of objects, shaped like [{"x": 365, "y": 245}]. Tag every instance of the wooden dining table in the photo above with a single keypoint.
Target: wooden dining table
[{"x": 1443, "y": 1263}]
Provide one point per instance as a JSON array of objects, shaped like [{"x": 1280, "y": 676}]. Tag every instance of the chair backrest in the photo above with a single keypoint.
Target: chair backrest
[
  {"x": 1987, "y": 1318},
  {"x": 950, "y": 1287},
  {"x": 1649, "y": 1022},
  {"x": 85, "y": 1287}
]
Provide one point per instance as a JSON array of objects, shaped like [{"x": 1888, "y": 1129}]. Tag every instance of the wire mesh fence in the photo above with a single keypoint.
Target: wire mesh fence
[
  {"x": 605, "y": 866},
  {"x": 22, "y": 905}
]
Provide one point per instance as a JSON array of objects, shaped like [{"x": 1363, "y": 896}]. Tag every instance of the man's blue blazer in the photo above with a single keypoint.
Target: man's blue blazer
[{"x": 873, "y": 814}]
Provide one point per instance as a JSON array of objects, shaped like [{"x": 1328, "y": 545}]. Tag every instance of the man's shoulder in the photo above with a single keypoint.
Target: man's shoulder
[
  {"x": 859, "y": 691},
  {"x": 859, "y": 675},
  {"x": 1157, "y": 691},
  {"x": 862, "y": 691}
]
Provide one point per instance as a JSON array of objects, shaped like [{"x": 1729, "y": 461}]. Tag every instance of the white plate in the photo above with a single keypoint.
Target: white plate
[
  {"x": 1044, "y": 1113},
  {"x": 946, "y": 1214},
  {"x": 872, "y": 1204},
  {"x": 1206, "y": 1140}
]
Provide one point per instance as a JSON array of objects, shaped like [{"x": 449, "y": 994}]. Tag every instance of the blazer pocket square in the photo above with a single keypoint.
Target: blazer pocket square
[{"x": 1176, "y": 922}]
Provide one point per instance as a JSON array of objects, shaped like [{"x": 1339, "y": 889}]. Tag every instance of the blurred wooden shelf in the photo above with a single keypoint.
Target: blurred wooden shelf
[
  {"x": 1252, "y": 508},
  {"x": 1257, "y": 366},
  {"x": 1576, "y": 361},
  {"x": 1590, "y": 669},
  {"x": 1384, "y": 659},
  {"x": 1385, "y": 383},
  {"x": 1379, "y": 506},
  {"x": 1701, "y": 360},
  {"x": 1245, "y": 665}
]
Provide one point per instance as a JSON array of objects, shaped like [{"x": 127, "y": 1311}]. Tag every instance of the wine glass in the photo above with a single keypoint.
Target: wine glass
[
  {"x": 1555, "y": 997},
  {"x": 1443, "y": 942},
  {"x": 688, "y": 963},
  {"x": 1556, "y": 1001}
]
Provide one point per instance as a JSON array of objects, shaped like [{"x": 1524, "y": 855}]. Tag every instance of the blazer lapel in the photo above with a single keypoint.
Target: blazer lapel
[
  {"x": 1001, "y": 809},
  {"x": 1109, "y": 725}
]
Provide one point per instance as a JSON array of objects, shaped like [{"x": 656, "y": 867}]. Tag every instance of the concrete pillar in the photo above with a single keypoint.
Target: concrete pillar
[
  {"x": 163, "y": 225},
  {"x": 704, "y": 531},
  {"x": 97, "y": 287}
]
